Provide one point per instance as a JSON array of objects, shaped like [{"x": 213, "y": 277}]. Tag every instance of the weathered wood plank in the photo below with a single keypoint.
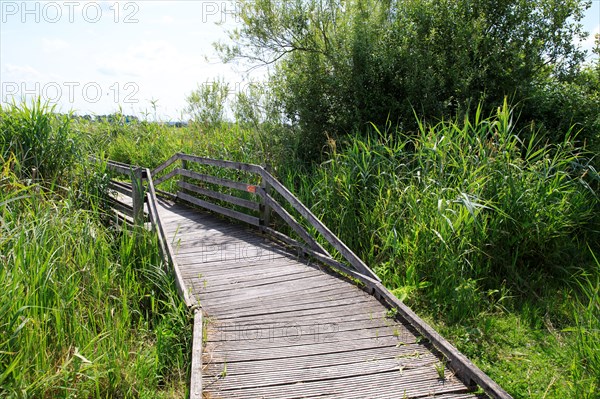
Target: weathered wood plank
[
  {"x": 122, "y": 188},
  {"x": 317, "y": 330},
  {"x": 329, "y": 372},
  {"x": 220, "y": 196},
  {"x": 165, "y": 165},
  {"x": 392, "y": 385},
  {"x": 196, "y": 368},
  {"x": 253, "y": 220},
  {"x": 311, "y": 361},
  {"x": 250, "y": 188},
  {"x": 166, "y": 177},
  {"x": 297, "y": 227}
]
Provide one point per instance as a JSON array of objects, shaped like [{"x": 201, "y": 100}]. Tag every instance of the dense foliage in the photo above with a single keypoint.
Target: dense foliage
[{"x": 341, "y": 64}]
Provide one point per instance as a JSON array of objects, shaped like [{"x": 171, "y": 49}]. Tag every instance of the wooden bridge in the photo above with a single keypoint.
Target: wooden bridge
[{"x": 275, "y": 316}]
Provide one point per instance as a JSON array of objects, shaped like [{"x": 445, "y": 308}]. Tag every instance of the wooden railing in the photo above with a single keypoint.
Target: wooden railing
[{"x": 257, "y": 210}]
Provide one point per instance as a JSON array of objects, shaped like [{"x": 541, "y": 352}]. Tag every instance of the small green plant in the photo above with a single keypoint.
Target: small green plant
[
  {"x": 440, "y": 368},
  {"x": 392, "y": 313}
]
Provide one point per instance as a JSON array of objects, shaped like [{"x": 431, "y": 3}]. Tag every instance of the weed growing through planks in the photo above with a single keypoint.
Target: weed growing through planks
[
  {"x": 391, "y": 313},
  {"x": 440, "y": 368}
]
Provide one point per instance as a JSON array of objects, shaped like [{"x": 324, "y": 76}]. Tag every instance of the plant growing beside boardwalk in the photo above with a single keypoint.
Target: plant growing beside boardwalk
[{"x": 85, "y": 310}]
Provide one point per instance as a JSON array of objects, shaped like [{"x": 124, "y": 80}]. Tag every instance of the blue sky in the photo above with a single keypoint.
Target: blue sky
[{"x": 92, "y": 56}]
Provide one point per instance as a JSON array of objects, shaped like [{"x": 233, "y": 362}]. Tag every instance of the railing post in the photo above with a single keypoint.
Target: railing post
[
  {"x": 265, "y": 209},
  {"x": 184, "y": 165},
  {"x": 137, "y": 195}
]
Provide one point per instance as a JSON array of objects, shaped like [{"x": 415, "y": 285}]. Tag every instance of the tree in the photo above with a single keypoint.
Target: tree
[
  {"x": 343, "y": 63},
  {"x": 206, "y": 104}
]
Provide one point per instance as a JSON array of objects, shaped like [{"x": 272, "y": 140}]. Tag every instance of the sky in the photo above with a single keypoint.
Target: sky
[{"x": 145, "y": 56}]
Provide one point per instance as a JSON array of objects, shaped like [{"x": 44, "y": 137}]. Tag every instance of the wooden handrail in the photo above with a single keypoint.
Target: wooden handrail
[
  {"x": 268, "y": 202},
  {"x": 346, "y": 252}
]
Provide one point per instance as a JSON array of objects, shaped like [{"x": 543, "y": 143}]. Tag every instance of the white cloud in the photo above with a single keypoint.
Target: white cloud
[
  {"x": 167, "y": 20},
  {"x": 20, "y": 73},
  {"x": 53, "y": 45}
]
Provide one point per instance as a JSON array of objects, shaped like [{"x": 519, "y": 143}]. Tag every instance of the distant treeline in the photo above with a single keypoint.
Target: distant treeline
[{"x": 123, "y": 119}]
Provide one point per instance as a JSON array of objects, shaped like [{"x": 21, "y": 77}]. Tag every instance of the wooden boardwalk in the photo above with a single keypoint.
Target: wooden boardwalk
[
  {"x": 279, "y": 327},
  {"x": 270, "y": 323}
]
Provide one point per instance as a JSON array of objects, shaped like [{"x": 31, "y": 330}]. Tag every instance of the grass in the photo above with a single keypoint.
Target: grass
[{"x": 85, "y": 310}]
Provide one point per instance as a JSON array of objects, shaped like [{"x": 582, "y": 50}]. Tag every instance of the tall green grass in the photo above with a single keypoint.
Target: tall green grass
[
  {"x": 41, "y": 140},
  {"x": 461, "y": 208},
  {"x": 85, "y": 310}
]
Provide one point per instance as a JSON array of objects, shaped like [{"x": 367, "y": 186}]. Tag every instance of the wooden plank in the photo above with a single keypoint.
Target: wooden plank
[
  {"x": 256, "y": 291},
  {"x": 120, "y": 187},
  {"x": 119, "y": 167},
  {"x": 297, "y": 227},
  {"x": 179, "y": 281},
  {"x": 221, "y": 163},
  {"x": 332, "y": 310},
  {"x": 314, "y": 349},
  {"x": 285, "y": 340},
  {"x": 265, "y": 209},
  {"x": 222, "y": 267},
  {"x": 196, "y": 368},
  {"x": 137, "y": 196},
  {"x": 354, "y": 260},
  {"x": 250, "y": 245},
  {"x": 121, "y": 207},
  {"x": 284, "y": 376},
  {"x": 411, "y": 383},
  {"x": 310, "y": 361},
  {"x": 243, "y": 275},
  {"x": 166, "y": 177},
  {"x": 283, "y": 335},
  {"x": 184, "y": 230},
  {"x": 164, "y": 165},
  {"x": 242, "y": 255},
  {"x": 196, "y": 243},
  {"x": 220, "y": 196},
  {"x": 248, "y": 282},
  {"x": 299, "y": 297},
  {"x": 317, "y": 331},
  {"x": 253, "y": 220},
  {"x": 319, "y": 327},
  {"x": 250, "y": 188}
]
